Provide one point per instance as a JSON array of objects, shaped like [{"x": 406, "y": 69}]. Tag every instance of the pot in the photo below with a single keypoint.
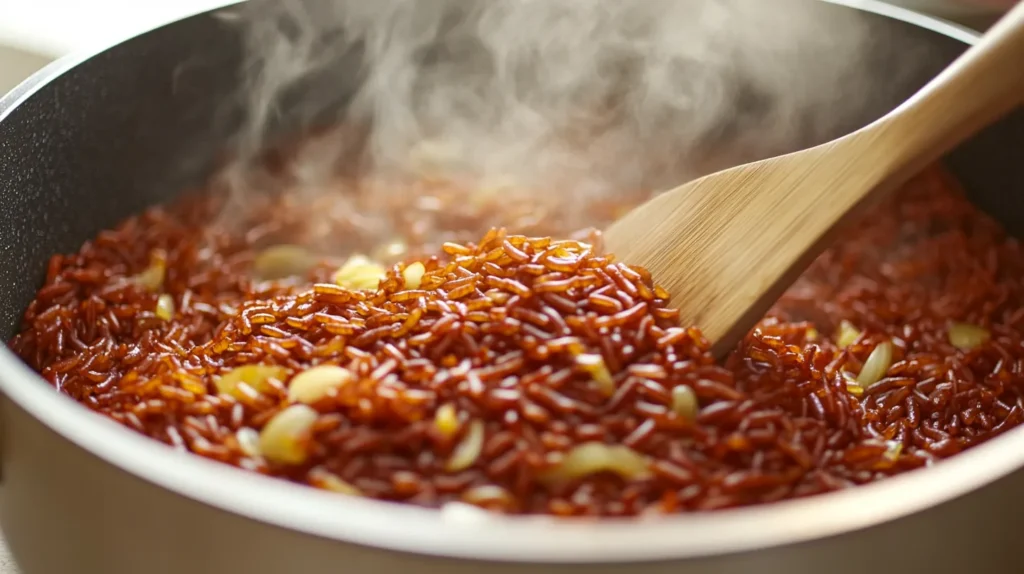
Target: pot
[{"x": 94, "y": 138}]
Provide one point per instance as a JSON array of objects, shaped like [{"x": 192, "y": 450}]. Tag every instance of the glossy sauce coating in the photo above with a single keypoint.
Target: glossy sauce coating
[{"x": 531, "y": 374}]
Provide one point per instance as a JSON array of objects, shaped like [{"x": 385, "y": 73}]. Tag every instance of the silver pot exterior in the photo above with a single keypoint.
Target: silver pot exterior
[{"x": 63, "y": 510}]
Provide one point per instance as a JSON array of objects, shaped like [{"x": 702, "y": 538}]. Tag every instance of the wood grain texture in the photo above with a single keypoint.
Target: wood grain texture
[{"x": 727, "y": 245}]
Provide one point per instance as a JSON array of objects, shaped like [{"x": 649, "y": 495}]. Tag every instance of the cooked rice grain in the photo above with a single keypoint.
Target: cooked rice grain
[{"x": 531, "y": 374}]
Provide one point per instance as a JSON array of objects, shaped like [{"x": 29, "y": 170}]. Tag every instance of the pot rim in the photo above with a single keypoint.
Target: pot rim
[{"x": 478, "y": 535}]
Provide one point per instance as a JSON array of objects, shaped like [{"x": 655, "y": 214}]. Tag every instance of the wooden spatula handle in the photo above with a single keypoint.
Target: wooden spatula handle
[
  {"x": 727, "y": 245},
  {"x": 981, "y": 86}
]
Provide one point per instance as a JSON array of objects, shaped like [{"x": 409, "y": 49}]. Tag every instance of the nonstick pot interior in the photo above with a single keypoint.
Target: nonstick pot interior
[{"x": 134, "y": 125}]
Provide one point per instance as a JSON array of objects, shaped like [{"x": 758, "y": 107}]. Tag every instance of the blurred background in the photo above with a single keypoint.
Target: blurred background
[{"x": 33, "y": 32}]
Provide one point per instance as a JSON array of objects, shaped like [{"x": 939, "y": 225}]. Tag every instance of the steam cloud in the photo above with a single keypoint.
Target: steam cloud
[{"x": 581, "y": 97}]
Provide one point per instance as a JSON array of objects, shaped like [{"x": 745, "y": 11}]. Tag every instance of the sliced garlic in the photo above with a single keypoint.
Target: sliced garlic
[
  {"x": 488, "y": 495},
  {"x": 468, "y": 451},
  {"x": 446, "y": 419},
  {"x": 359, "y": 273},
  {"x": 594, "y": 365},
  {"x": 595, "y": 457},
  {"x": 847, "y": 334},
  {"x": 322, "y": 478},
  {"x": 893, "y": 448},
  {"x": 255, "y": 376},
  {"x": 684, "y": 402},
  {"x": 248, "y": 441},
  {"x": 852, "y": 386},
  {"x": 284, "y": 438},
  {"x": 165, "y": 307},
  {"x": 318, "y": 382},
  {"x": 965, "y": 336},
  {"x": 152, "y": 278},
  {"x": 876, "y": 366},
  {"x": 413, "y": 275}
]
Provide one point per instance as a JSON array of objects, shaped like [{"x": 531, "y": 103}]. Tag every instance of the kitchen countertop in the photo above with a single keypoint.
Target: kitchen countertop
[{"x": 57, "y": 27}]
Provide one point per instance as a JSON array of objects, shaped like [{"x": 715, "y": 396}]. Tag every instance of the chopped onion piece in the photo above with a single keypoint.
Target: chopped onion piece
[
  {"x": 965, "y": 336},
  {"x": 165, "y": 307},
  {"x": 446, "y": 420},
  {"x": 284, "y": 437},
  {"x": 359, "y": 273},
  {"x": 846, "y": 335},
  {"x": 248, "y": 441},
  {"x": 488, "y": 495},
  {"x": 684, "y": 402},
  {"x": 152, "y": 278},
  {"x": 314, "y": 384},
  {"x": 852, "y": 386},
  {"x": 467, "y": 451},
  {"x": 322, "y": 478},
  {"x": 595, "y": 457},
  {"x": 413, "y": 274},
  {"x": 281, "y": 261},
  {"x": 255, "y": 376},
  {"x": 893, "y": 448},
  {"x": 595, "y": 366},
  {"x": 876, "y": 366}
]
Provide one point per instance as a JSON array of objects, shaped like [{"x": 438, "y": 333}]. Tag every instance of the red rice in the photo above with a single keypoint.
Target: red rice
[{"x": 490, "y": 340}]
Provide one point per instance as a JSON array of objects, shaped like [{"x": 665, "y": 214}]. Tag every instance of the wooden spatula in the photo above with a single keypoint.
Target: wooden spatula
[{"x": 727, "y": 245}]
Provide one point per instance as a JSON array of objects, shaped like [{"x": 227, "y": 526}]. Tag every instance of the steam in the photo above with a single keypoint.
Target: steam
[{"x": 576, "y": 99}]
